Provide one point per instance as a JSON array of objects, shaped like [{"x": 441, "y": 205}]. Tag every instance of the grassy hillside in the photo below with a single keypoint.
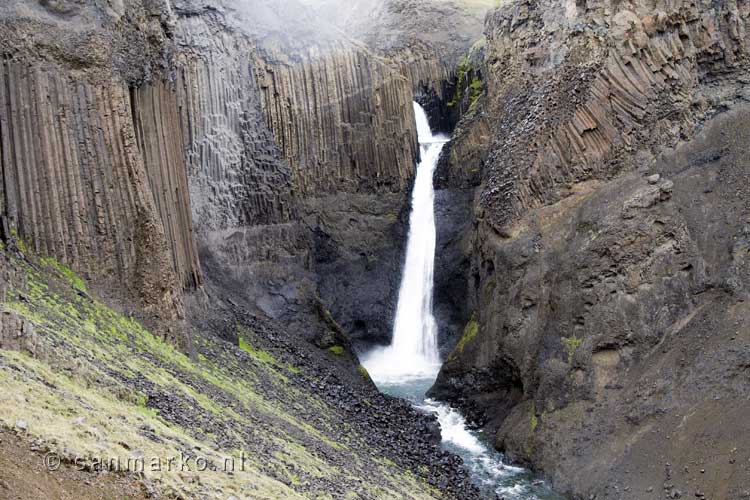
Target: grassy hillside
[{"x": 100, "y": 386}]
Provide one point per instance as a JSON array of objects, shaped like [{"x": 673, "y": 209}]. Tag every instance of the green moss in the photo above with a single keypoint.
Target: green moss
[
  {"x": 94, "y": 355},
  {"x": 21, "y": 244},
  {"x": 363, "y": 371},
  {"x": 67, "y": 273},
  {"x": 337, "y": 350},
  {"x": 257, "y": 354},
  {"x": 470, "y": 332},
  {"x": 534, "y": 421},
  {"x": 489, "y": 284},
  {"x": 476, "y": 87},
  {"x": 293, "y": 369},
  {"x": 463, "y": 69},
  {"x": 571, "y": 343}
]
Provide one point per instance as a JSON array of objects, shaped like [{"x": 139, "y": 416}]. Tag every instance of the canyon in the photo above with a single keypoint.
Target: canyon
[
  {"x": 202, "y": 204},
  {"x": 204, "y": 212}
]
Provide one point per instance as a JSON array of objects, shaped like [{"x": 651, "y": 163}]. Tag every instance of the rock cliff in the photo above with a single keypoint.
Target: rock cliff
[
  {"x": 607, "y": 282},
  {"x": 214, "y": 171},
  {"x": 339, "y": 104},
  {"x": 80, "y": 183}
]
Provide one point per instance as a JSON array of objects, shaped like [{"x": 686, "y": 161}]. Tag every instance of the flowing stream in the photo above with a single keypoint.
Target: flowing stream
[{"x": 408, "y": 367}]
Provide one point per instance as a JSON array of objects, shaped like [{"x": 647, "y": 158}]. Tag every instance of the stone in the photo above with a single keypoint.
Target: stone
[{"x": 568, "y": 235}]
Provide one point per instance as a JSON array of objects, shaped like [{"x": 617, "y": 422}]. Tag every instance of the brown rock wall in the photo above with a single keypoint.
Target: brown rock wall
[
  {"x": 75, "y": 183},
  {"x": 343, "y": 120}
]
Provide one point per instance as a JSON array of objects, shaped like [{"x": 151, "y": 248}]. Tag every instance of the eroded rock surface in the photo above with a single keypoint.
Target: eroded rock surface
[
  {"x": 212, "y": 170},
  {"x": 608, "y": 282}
]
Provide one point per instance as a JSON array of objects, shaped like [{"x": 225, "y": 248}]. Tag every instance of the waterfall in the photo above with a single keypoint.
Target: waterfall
[
  {"x": 408, "y": 366},
  {"x": 413, "y": 352}
]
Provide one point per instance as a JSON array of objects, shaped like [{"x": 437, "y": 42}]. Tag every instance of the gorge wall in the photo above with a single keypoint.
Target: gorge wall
[
  {"x": 607, "y": 282},
  {"x": 277, "y": 155},
  {"x": 339, "y": 118},
  {"x": 79, "y": 182},
  {"x": 340, "y": 112},
  {"x": 233, "y": 178}
]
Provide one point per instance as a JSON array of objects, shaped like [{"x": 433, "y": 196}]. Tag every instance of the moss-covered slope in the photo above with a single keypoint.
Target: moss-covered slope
[{"x": 93, "y": 384}]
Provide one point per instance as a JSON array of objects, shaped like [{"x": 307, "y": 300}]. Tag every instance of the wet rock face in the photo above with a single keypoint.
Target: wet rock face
[
  {"x": 608, "y": 273},
  {"x": 358, "y": 259},
  {"x": 452, "y": 262}
]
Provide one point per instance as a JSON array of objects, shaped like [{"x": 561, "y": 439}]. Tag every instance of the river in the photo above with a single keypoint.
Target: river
[{"x": 409, "y": 365}]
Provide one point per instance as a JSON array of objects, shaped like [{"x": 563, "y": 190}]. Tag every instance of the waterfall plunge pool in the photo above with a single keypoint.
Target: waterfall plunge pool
[
  {"x": 489, "y": 472},
  {"x": 407, "y": 368}
]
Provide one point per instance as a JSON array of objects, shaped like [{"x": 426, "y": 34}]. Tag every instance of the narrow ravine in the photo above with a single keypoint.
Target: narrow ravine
[{"x": 409, "y": 365}]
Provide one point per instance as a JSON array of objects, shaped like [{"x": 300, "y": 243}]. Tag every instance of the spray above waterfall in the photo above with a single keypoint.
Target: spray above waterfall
[{"x": 413, "y": 352}]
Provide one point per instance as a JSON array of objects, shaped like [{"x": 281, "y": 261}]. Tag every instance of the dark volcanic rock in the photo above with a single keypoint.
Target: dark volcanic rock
[
  {"x": 610, "y": 303},
  {"x": 452, "y": 261},
  {"x": 238, "y": 165},
  {"x": 358, "y": 259}
]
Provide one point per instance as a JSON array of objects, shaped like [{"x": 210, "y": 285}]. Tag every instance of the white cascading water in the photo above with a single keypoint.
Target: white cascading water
[
  {"x": 409, "y": 366},
  {"x": 413, "y": 352}
]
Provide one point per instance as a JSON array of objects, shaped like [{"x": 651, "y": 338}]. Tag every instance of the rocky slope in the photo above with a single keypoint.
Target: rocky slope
[
  {"x": 266, "y": 417},
  {"x": 224, "y": 175},
  {"x": 605, "y": 341}
]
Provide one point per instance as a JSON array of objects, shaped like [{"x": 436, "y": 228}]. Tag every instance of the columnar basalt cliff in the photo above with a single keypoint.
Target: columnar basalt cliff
[
  {"x": 339, "y": 119},
  {"x": 608, "y": 279},
  {"x": 157, "y": 126},
  {"x": 189, "y": 167},
  {"x": 340, "y": 112},
  {"x": 249, "y": 236},
  {"x": 78, "y": 185}
]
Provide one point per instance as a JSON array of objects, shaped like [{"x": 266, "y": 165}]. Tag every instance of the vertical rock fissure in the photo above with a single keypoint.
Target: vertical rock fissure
[{"x": 3, "y": 160}]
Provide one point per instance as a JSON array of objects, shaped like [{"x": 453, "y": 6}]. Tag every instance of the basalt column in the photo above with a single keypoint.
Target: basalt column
[
  {"x": 250, "y": 241},
  {"x": 75, "y": 184},
  {"x": 343, "y": 119}
]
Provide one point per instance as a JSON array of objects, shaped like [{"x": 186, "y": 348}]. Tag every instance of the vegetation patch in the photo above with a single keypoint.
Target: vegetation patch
[
  {"x": 571, "y": 343},
  {"x": 468, "y": 84},
  {"x": 534, "y": 421},
  {"x": 337, "y": 350},
  {"x": 470, "y": 332},
  {"x": 68, "y": 274},
  {"x": 363, "y": 371},
  {"x": 103, "y": 385},
  {"x": 257, "y": 354}
]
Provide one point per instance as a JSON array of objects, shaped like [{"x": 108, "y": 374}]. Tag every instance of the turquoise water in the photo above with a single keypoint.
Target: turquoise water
[
  {"x": 408, "y": 366},
  {"x": 490, "y": 473}
]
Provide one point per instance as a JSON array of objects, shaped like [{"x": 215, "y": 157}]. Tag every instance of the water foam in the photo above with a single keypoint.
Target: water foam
[{"x": 413, "y": 353}]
